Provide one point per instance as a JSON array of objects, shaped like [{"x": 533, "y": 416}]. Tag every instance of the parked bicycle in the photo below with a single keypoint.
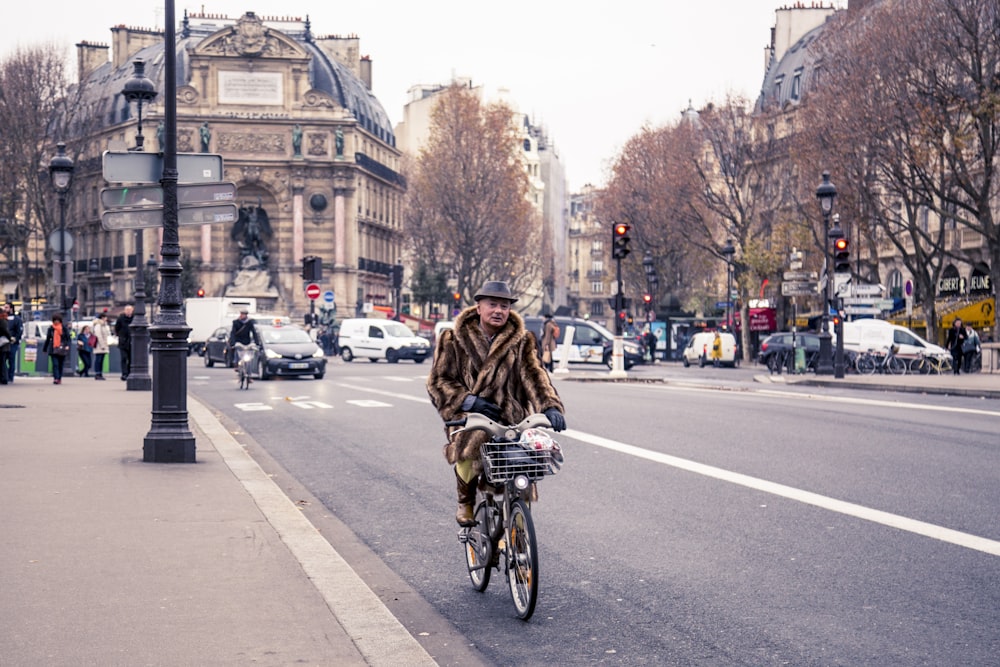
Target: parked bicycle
[
  {"x": 515, "y": 458},
  {"x": 246, "y": 361},
  {"x": 870, "y": 362},
  {"x": 926, "y": 364}
]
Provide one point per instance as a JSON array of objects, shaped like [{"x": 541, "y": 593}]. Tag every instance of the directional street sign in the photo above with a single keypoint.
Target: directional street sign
[
  {"x": 858, "y": 301},
  {"x": 136, "y": 167},
  {"x": 792, "y": 288},
  {"x": 862, "y": 310},
  {"x": 800, "y": 275},
  {"x": 866, "y": 290},
  {"x": 140, "y": 218},
  {"x": 145, "y": 196}
]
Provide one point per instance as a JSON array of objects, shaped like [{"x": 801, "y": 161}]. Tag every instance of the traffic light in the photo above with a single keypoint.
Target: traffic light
[
  {"x": 397, "y": 276},
  {"x": 841, "y": 255},
  {"x": 647, "y": 299},
  {"x": 620, "y": 240},
  {"x": 201, "y": 294},
  {"x": 312, "y": 268},
  {"x": 457, "y": 296}
]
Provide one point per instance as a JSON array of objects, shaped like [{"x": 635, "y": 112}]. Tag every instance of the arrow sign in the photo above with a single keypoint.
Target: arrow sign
[
  {"x": 143, "y": 218},
  {"x": 151, "y": 196},
  {"x": 312, "y": 291},
  {"x": 798, "y": 289},
  {"x": 800, "y": 275},
  {"x": 135, "y": 167}
]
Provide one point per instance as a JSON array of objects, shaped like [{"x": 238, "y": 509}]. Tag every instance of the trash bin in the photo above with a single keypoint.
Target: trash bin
[{"x": 800, "y": 360}]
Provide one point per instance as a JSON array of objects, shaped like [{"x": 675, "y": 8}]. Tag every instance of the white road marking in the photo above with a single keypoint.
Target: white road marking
[
  {"x": 309, "y": 405},
  {"x": 832, "y": 504},
  {"x": 381, "y": 392},
  {"x": 251, "y": 407},
  {"x": 361, "y": 403}
]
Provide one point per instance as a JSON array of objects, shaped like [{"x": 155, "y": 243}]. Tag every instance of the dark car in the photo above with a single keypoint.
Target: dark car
[
  {"x": 217, "y": 348},
  {"x": 591, "y": 342},
  {"x": 287, "y": 350},
  {"x": 775, "y": 350}
]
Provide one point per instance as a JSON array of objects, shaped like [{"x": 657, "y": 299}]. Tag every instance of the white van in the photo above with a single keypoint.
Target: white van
[
  {"x": 879, "y": 335},
  {"x": 699, "y": 349},
  {"x": 380, "y": 339}
]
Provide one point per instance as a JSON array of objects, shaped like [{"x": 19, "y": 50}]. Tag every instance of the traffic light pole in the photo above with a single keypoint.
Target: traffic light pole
[{"x": 618, "y": 346}]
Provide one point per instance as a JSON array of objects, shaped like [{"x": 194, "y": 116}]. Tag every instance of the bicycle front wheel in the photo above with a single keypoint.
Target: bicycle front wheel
[
  {"x": 920, "y": 366},
  {"x": 522, "y": 560},
  {"x": 479, "y": 548},
  {"x": 867, "y": 364},
  {"x": 896, "y": 366}
]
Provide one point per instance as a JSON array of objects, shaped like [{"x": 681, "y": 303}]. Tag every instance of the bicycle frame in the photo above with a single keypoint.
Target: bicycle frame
[
  {"x": 246, "y": 359},
  {"x": 503, "y": 524}
]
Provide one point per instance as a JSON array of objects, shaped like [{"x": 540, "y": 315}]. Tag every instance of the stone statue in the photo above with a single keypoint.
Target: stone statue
[
  {"x": 251, "y": 231},
  {"x": 297, "y": 140},
  {"x": 339, "y": 138},
  {"x": 161, "y": 140},
  {"x": 206, "y": 136}
]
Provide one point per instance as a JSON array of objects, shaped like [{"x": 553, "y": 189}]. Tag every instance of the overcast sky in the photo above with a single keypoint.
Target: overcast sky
[{"x": 592, "y": 73}]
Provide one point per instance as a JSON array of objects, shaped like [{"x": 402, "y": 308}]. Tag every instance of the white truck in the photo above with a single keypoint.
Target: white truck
[{"x": 206, "y": 314}]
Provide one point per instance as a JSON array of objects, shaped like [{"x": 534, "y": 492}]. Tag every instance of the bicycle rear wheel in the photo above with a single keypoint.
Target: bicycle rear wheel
[
  {"x": 479, "y": 548},
  {"x": 522, "y": 560},
  {"x": 896, "y": 366},
  {"x": 867, "y": 364},
  {"x": 920, "y": 366}
]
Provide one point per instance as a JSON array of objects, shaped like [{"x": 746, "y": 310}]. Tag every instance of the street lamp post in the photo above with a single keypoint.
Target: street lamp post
[
  {"x": 61, "y": 174},
  {"x": 169, "y": 439},
  {"x": 93, "y": 268},
  {"x": 728, "y": 251},
  {"x": 826, "y": 193},
  {"x": 151, "y": 267},
  {"x": 139, "y": 89}
]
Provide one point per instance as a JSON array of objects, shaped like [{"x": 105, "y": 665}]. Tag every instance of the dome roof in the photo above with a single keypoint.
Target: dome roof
[
  {"x": 788, "y": 79},
  {"x": 103, "y": 88}
]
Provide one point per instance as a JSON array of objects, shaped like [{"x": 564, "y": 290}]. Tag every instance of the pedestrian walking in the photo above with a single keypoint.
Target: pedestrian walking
[
  {"x": 4, "y": 344},
  {"x": 550, "y": 333},
  {"x": 8, "y": 361},
  {"x": 124, "y": 334},
  {"x": 84, "y": 351},
  {"x": 716, "y": 350},
  {"x": 956, "y": 344},
  {"x": 101, "y": 331},
  {"x": 57, "y": 347},
  {"x": 650, "y": 340}
]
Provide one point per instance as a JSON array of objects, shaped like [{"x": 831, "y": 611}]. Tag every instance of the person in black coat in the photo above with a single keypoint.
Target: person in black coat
[
  {"x": 124, "y": 334},
  {"x": 244, "y": 331},
  {"x": 956, "y": 341}
]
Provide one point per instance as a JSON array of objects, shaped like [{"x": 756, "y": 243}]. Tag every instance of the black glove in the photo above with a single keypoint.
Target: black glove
[
  {"x": 474, "y": 403},
  {"x": 556, "y": 419}
]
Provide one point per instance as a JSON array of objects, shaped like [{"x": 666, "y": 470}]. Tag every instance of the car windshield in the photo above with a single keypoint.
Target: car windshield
[
  {"x": 284, "y": 335},
  {"x": 398, "y": 330}
]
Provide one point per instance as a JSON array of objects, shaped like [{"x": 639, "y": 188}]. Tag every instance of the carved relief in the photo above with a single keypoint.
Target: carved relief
[
  {"x": 317, "y": 98},
  {"x": 234, "y": 142},
  {"x": 185, "y": 140},
  {"x": 317, "y": 144},
  {"x": 251, "y": 175},
  {"x": 187, "y": 95},
  {"x": 250, "y": 38}
]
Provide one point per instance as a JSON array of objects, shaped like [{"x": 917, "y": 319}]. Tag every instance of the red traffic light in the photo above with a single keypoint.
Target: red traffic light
[
  {"x": 841, "y": 244},
  {"x": 201, "y": 293},
  {"x": 647, "y": 298},
  {"x": 457, "y": 296},
  {"x": 621, "y": 229}
]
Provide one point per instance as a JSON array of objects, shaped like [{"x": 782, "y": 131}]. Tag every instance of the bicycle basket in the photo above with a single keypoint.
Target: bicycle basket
[{"x": 502, "y": 461}]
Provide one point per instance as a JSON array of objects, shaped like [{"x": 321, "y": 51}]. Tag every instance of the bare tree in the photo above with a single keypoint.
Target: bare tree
[{"x": 467, "y": 207}]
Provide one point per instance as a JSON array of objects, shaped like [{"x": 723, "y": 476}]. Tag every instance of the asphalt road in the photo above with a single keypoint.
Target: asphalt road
[{"x": 731, "y": 525}]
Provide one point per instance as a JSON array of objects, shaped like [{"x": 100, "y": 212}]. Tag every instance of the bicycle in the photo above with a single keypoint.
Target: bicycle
[
  {"x": 869, "y": 362},
  {"x": 924, "y": 364},
  {"x": 513, "y": 460},
  {"x": 246, "y": 360}
]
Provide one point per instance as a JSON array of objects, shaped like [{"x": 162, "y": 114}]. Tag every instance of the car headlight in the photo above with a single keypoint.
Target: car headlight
[
  {"x": 318, "y": 354},
  {"x": 631, "y": 349},
  {"x": 271, "y": 354}
]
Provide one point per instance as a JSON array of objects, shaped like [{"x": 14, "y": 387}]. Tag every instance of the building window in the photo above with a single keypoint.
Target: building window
[
  {"x": 596, "y": 287},
  {"x": 797, "y": 85},
  {"x": 597, "y": 266},
  {"x": 527, "y": 145},
  {"x": 896, "y": 285},
  {"x": 597, "y": 308}
]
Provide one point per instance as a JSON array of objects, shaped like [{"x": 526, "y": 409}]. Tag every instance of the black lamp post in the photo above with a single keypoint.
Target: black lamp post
[
  {"x": 169, "y": 439},
  {"x": 139, "y": 89},
  {"x": 151, "y": 284},
  {"x": 826, "y": 193},
  {"x": 93, "y": 268},
  {"x": 728, "y": 251},
  {"x": 61, "y": 174}
]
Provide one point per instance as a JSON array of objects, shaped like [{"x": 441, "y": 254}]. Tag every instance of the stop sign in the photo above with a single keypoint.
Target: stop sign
[{"x": 312, "y": 291}]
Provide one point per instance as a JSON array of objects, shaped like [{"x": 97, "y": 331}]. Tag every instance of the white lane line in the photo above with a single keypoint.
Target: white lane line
[
  {"x": 859, "y": 511},
  {"x": 309, "y": 405},
  {"x": 381, "y": 392},
  {"x": 362, "y": 403},
  {"x": 252, "y": 407}
]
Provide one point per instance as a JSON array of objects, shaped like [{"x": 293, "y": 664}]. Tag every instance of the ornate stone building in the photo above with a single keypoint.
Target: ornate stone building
[{"x": 310, "y": 149}]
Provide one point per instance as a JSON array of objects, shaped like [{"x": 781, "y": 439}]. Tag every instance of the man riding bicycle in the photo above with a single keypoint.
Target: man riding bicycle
[
  {"x": 244, "y": 331},
  {"x": 488, "y": 363}
]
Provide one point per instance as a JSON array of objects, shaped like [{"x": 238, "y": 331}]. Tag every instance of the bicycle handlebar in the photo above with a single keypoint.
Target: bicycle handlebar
[{"x": 473, "y": 421}]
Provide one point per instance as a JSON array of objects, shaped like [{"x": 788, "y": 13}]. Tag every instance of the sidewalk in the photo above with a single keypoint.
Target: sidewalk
[{"x": 112, "y": 561}]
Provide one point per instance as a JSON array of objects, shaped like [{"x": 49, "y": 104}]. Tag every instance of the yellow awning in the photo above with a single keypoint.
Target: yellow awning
[{"x": 978, "y": 315}]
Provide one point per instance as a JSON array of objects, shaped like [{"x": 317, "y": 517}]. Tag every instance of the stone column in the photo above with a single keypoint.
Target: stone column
[{"x": 298, "y": 232}]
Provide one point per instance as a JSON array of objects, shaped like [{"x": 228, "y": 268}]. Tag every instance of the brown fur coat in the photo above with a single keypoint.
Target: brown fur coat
[{"x": 507, "y": 373}]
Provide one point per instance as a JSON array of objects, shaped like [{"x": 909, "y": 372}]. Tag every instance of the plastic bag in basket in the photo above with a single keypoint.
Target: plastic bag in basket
[{"x": 534, "y": 438}]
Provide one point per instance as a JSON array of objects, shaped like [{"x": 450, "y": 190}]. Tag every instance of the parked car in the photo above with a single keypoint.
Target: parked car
[
  {"x": 591, "y": 344},
  {"x": 871, "y": 334},
  {"x": 774, "y": 349},
  {"x": 381, "y": 339},
  {"x": 287, "y": 349},
  {"x": 699, "y": 349},
  {"x": 215, "y": 349}
]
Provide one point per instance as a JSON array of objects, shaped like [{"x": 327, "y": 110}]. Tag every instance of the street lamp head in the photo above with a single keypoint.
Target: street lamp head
[
  {"x": 93, "y": 266},
  {"x": 151, "y": 262},
  {"x": 835, "y": 232},
  {"x": 139, "y": 89},
  {"x": 826, "y": 193},
  {"x": 61, "y": 169}
]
